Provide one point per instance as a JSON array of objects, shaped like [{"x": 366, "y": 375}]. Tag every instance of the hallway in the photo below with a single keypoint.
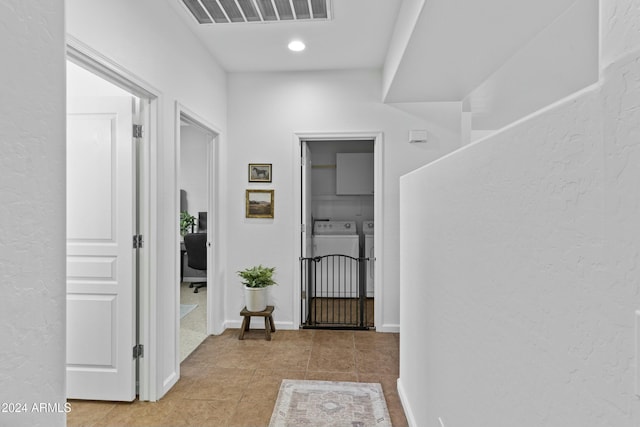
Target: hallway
[{"x": 228, "y": 382}]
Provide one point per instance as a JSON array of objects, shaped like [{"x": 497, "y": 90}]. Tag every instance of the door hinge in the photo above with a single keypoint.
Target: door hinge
[
  {"x": 138, "y": 351},
  {"x": 138, "y": 131},
  {"x": 138, "y": 242},
  {"x": 303, "y": 228},
  {"x": 303, "y": 295}
]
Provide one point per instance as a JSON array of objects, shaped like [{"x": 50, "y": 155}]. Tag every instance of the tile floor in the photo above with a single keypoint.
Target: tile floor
[{"x": 228, "y": 382}]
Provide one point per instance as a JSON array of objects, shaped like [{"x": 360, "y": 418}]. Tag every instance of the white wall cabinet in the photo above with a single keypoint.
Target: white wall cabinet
[{"x": 354, "y": 174}]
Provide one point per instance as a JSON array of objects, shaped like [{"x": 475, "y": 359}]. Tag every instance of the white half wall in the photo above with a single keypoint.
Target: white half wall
[
  {"x": 32, "y": 212},
  {"x": 519, "y": 265},
  {"x": 134, "y": 35},
  {"x": 265, "y": 111}
]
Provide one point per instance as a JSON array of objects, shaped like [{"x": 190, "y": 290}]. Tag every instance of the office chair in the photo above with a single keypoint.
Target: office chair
[{"x": 196, "y": 246}]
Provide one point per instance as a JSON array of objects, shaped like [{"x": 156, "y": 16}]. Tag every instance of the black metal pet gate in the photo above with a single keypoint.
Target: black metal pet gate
[{"x": 334, "y": 294}]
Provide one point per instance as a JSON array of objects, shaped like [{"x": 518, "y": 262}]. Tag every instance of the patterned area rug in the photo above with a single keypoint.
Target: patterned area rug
[{"x": 328, "y": 403}]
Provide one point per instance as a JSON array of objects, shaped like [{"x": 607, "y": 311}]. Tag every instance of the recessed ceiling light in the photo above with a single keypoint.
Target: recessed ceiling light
[{"x": 296, "y": 46}]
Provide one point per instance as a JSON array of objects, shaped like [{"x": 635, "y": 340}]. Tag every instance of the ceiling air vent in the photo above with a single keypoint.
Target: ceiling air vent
[{"x": 230, "y": 11}]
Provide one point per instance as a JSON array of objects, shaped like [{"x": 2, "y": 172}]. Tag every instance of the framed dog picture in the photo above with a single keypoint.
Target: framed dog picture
[
  {"x": 259, "y": 172},
  {"x": 259, "y": 203}
]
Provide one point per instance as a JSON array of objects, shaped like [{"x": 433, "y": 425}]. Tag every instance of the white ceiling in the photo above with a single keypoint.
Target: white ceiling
[
  {"x": 505, "y": 58},
  {"x": 357, "y": 37},
  {"x": 457, "y": 44}
]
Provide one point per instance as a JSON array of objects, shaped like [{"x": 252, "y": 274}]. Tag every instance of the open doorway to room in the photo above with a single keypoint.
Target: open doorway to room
[
  {"x": 196, "y": 184},
  {"x": 338, "y": 206},
  {"x": 107, "y": 189}
]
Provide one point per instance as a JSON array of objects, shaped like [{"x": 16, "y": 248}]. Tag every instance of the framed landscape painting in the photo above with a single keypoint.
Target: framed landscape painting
[
  {"x": 259, "y": 172},
  {"x": 259, "y": 203}
]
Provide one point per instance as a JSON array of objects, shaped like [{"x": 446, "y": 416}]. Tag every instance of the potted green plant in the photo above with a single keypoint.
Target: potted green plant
[
  {"x": 186, "y": 222},
  {"x": 256, "y": 281}
]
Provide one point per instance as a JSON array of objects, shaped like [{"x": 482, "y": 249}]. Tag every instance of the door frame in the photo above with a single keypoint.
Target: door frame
[
  {"x": 378, "y": 210},
  {"x": 215, "y": 293},
  {"x": 96, "y": 63}
]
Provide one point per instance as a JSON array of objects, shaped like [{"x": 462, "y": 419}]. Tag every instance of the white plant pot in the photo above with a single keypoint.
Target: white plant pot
[{"x": 255, "y": 298}]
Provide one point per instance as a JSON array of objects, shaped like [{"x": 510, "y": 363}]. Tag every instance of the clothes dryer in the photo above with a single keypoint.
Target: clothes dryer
[{"x": 337, "y": 273}]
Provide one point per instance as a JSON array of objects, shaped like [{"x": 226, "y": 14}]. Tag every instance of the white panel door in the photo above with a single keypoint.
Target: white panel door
[
  {"x": 306, "y": 201},
  {"x": 100, "y": 256},
  {"x": 306, "y": 240}
]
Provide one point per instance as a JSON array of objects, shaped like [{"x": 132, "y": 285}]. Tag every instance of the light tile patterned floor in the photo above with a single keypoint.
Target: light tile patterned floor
[{"x": 232, "y": 383}]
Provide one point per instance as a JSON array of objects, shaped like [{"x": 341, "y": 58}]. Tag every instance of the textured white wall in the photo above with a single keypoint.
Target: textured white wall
[
  {"x": 265, "y": 110},
  {"x": 32, "y": 210},
  {"x": 519, "y": 264},
  {"x": 620, "y": 28},
  {"x": 135, "y": 36}
]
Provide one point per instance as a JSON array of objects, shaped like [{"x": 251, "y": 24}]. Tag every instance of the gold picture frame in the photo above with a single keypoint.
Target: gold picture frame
[
  {"x": 259, "y": 172},
  {"x": 259, "y": 203}
]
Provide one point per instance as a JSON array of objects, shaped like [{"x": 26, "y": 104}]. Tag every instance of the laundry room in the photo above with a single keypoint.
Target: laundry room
[
  {"x": 342, "y": 186},
  {"x": 341, "y": 198}
]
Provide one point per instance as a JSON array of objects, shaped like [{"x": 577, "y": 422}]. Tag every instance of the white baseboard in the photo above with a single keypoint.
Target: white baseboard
[
  {"x": 168, "y": 383},
  {"x": 405, "y": 405},
  {"x": 390, "y": 328}
]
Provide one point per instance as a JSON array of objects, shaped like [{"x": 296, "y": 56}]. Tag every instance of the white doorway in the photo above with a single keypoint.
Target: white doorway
[
  {"x": 102, "y": 224},
  {"x": 194, "y": 213},
  {"x": 111, "y": 210},
  {"x": 197, "y": 176},
  {"x": 328, "y": 205}
]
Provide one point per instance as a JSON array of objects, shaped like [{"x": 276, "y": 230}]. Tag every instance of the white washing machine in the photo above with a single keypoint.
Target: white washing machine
[
  {"x": 368, "y": 231},
  {"x": 336, "y": 277}
]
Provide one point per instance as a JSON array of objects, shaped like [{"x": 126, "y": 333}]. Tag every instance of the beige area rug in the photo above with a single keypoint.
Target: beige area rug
[
  {"x": 328, "y": 403},
  {"x": 186, "y": 309}
]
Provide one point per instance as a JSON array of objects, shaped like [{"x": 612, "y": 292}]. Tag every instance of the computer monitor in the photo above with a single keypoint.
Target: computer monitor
[
  {"x": 183, "y": 201},
  {"x": 202, "y": 222}
]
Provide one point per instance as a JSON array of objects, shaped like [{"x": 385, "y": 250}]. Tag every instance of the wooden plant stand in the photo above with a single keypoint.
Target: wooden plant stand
[{"x": 269, "y": 326}]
